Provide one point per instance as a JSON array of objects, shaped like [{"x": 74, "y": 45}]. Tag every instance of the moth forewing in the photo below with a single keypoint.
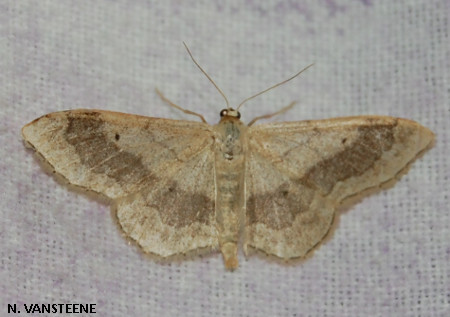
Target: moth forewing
[{"x": 299, "y": 172}]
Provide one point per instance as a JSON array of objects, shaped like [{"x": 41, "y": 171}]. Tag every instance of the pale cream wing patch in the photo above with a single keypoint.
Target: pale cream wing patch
[
  {"x": 158, "y": 171},
  {"x": 297, "y": 173}
]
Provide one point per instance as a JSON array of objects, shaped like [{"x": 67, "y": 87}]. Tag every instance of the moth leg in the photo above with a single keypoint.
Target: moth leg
[
  {"x": 170, "y": 103},
  {"x": 270, "y": 115}
]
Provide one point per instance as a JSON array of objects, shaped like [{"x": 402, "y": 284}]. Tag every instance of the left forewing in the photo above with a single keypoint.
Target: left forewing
[
  {"x": 113, "y": 153},
  {"x": 298, "y": 172}
]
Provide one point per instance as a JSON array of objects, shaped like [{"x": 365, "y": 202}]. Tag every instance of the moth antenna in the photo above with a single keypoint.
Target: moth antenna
[
  {"x": 274, "y": 86},
  {"x": 210, "y": 79}
]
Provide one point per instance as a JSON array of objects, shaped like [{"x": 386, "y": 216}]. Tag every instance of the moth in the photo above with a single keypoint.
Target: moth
[{"x": 178, "y": 185}]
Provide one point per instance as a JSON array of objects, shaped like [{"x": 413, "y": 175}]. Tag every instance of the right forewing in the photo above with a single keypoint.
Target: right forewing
[{"x": 298, "y": 172}]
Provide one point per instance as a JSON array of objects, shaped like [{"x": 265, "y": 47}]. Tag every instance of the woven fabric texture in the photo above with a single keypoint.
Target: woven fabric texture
[{"x": 390, "y": 253}]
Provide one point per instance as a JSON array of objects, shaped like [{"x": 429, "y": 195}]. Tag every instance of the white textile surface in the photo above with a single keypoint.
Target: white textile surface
[{"x": 390, "y": 253}]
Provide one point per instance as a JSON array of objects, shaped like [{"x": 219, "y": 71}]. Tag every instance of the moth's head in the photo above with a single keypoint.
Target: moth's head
[{"x": 230, "y": 112}]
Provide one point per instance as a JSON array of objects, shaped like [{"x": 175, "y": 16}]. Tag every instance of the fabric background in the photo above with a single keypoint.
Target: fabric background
[{"x": 390, "y": 254}]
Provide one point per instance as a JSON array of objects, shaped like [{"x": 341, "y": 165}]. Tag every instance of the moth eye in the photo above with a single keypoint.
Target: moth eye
[
  {"x": 223, "y": 112},
  {"x": 238, "y": 115}
]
